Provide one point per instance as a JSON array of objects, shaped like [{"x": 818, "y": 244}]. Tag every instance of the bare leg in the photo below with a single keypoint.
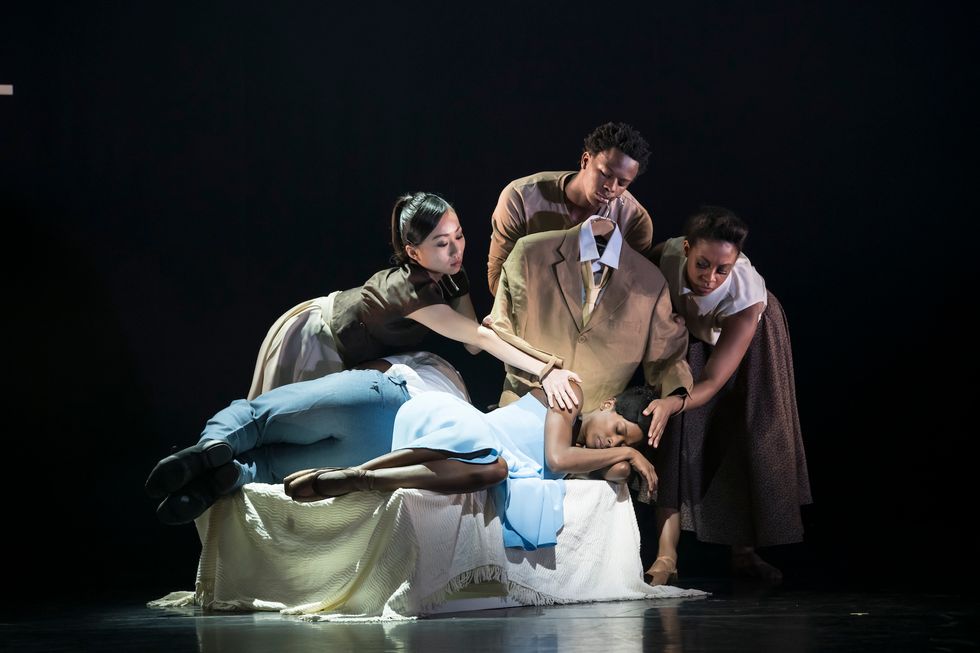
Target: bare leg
[
  {"x": 664, "y": 568},
  {"x": 403, "y": 458},
  {"x": 423, "y": 469},
  {"x": 451, "y": 476},
  {"x": 747, "y": 563}
]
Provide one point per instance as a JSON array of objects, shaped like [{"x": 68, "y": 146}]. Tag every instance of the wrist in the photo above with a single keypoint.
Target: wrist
[
  {"x": 550, "y": 365},
  {"x": 682, "y": 404}
]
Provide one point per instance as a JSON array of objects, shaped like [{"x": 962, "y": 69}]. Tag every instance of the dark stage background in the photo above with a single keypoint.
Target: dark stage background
[{"x": 174, "y": 177}]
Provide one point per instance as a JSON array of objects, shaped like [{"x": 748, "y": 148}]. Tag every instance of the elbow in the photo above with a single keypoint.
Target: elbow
[
  {"x": 482, "y": 477},
  {"x": 619, "y": 472},
  {"x": 484, "y": 337},
  {"x": 491, "y": 475},
  {"x": 555, "y": 463}
]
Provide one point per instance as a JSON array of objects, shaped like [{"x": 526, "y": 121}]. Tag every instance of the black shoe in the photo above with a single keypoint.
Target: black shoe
[
  {"x": 190, "y": 502},
  {"x": 177, "y": 470}
]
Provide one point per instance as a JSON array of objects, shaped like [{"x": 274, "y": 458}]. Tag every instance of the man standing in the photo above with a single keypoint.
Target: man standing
[{"x": 613, "y": 156}]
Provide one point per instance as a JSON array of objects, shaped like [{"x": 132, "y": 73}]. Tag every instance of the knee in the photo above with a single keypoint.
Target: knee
[
  {"x": 501, "y": 470},
  {"x": 492, "y": 474}
]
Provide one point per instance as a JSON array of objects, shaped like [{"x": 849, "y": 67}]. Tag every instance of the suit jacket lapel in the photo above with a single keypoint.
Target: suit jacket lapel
[{"x": 568, "y": 275}]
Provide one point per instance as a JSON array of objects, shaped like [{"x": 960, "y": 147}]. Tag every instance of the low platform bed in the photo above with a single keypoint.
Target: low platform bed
[{"x": 371, "y": 556}]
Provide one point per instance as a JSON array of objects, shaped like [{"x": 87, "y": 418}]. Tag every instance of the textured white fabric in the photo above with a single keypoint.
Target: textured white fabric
[{"x": 387, "y": 556}]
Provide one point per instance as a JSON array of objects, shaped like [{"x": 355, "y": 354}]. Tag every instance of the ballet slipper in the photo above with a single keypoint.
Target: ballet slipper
[
  {"x": 665, "y": 576},
  {"x": 340, "y": 481}
]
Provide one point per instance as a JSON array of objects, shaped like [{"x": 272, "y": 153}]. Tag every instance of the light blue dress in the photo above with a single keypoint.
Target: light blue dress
[{"x": 530, "y": 501}]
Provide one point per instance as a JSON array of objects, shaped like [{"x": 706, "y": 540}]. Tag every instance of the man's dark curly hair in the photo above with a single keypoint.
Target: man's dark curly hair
[{"x": 621, "y": 136}]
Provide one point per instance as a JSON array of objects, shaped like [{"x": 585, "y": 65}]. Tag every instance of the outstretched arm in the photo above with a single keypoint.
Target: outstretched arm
[
  {"x": 665, "y": 366},
  {"x": 563, "y": 456},
  {"x": 447, "y": 322},
  {"x": 737, "y": 332},
  {"x": 464, "y": 306}
]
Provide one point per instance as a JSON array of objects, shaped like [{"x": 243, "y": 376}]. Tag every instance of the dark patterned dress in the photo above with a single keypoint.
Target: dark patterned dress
[{"x": 736, "y": 467}]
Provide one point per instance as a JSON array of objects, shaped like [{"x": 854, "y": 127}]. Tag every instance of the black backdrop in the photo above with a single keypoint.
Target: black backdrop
[{"x": 175, "y": 176}]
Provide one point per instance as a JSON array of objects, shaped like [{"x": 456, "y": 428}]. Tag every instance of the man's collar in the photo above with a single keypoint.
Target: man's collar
[{"x": 589, "y": 251}]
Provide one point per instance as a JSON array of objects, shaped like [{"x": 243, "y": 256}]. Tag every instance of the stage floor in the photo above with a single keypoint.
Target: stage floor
[{"x": 736, "y": 617}]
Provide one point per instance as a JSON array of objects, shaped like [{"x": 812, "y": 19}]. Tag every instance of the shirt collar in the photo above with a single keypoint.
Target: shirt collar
[{"x": 588, "y": 251}]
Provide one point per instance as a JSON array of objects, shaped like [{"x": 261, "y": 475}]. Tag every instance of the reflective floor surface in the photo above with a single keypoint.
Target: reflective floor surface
[{"x": 736, "y": 617}]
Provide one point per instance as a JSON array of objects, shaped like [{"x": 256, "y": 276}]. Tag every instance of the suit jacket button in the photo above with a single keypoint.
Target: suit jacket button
[{"x": 582, "y": 338}]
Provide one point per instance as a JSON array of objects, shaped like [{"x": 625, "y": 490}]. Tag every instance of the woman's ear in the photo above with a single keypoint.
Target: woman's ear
[
  {"x": 687, "y": 247},
  {"x": 412, "y": 252},
  {"x": 608, "y": 404}
]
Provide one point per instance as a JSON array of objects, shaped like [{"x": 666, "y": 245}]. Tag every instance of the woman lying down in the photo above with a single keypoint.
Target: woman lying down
[{"x": 520, "y": 452}]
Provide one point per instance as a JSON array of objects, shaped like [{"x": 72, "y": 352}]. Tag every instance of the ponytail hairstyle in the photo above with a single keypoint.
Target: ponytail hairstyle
[
  {"x": 716, "y": 223},
  {"x": 412, "y": 220}
]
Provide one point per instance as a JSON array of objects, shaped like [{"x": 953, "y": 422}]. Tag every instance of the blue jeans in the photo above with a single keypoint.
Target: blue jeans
[{"x": 338, "y": 420}]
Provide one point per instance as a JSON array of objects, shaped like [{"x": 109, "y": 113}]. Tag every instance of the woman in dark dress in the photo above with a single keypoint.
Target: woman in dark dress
[{"x": 732, "y": 466}]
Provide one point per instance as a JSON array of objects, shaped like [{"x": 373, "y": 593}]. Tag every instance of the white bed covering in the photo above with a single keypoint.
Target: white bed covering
[{"x": 372, "y": 556}]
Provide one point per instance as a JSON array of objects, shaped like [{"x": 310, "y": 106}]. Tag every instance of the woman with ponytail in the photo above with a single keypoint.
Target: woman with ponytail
[{"x": 395, "y": 309}]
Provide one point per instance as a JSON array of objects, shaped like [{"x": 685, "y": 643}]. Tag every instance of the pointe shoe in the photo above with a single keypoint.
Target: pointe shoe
[
  {"x": 340, "y": 481},
  {"x": 750, "y": 565},
  {"x": 177, "y": 470},
  {"x": 189, "y": 502},
  {"x": 665, "y": 576}
]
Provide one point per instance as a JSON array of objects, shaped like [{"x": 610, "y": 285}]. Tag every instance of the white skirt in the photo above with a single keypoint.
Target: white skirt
[{"x": 298, "y": 347}]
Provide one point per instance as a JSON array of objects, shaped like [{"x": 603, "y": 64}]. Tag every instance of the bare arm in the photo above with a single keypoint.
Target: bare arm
[
  {"x": 665, "y": 365},
  {"x": 737, "y": 332},
  {"x": 563, "y": 457},
  {"x": 464, "y": 306},
  {"x": 446, "y": 322}
]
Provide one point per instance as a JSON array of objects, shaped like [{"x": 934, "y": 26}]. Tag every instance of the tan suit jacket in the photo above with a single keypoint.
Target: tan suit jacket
[{"x": 539, "y": 300}]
